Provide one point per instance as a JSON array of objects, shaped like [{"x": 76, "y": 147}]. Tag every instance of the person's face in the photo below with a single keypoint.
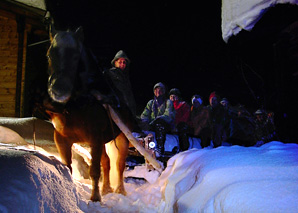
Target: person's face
[
  {"x": 174, "y": 97},
  {"x": 158, "y": 91},
  {"x": 120, "y": 63},
  {"x": 196, "y": 104},
  {"x": 260, "y": 117},
  {"x": 214, "y": 102},
  {"x": 225, "y": 104}
]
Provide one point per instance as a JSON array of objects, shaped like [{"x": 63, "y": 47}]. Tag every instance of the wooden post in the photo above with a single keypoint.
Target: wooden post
[{"x": 21, "y": 28}]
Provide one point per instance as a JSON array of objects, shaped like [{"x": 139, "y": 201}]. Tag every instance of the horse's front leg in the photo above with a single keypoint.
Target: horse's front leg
[
  {"x": 122, "y": 145},
  {"x": 94, "y": 171},
  {"x": 64, "y": 149}
]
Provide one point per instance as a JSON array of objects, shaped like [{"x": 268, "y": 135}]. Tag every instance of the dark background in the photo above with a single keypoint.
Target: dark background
[{"x": 181, "y": 45}]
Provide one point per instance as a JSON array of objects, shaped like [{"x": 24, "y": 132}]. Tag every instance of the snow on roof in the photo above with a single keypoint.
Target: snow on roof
[
  {"x": 237, "y": 15},
  {"x": 40, "y": 4}
]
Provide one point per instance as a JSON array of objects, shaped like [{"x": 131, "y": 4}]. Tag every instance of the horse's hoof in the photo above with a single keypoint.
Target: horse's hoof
[
  {"x": 106, "y": 190},
  {"x": 120, "y": 190},
  {"x": 95, "y": 197}
]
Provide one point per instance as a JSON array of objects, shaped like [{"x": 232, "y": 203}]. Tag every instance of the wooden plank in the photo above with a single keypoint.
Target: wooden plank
[
  {"x": 8, "y": 70},
  {"x": 8, "y": 78},
  {"x": 7, "y": 114},
  {"x": 7, "y": 98},
  {"x": 7, "y": 91},
  {"x": 9, "y": 85},
  {"x": 7, "y": 105}
]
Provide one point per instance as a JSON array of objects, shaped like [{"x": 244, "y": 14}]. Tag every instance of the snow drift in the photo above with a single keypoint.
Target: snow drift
[{"x": 225, "y": 179}]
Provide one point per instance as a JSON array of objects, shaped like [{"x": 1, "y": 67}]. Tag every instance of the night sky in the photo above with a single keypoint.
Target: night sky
[
  {"x": 181, "y": 45},
  {"x": 172, "y": 42}
]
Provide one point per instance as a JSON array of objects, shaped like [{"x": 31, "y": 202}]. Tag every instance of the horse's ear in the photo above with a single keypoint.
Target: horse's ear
[{"x": 80, "y": 34}]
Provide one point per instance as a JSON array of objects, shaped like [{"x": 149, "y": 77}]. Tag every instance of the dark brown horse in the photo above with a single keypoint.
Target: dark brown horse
[{"x": 76, "y": 115}]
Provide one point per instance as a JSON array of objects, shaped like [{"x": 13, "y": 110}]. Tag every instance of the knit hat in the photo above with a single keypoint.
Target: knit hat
[
  {"x": 198, "y": 98},
  {"x": 212, "y": 95},
  {"x": 120, "y": 54},
  {"x": 224, "y": 100},
  {"x": 175, "y": 91},
  {"x": 159, "y": 84},
  {"x": 259, "y": 112}
]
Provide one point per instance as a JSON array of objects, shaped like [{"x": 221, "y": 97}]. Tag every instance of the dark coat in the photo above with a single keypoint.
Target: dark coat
[
  {"x": 199, "y": 119},
  {"x": 120, "y": 84}
]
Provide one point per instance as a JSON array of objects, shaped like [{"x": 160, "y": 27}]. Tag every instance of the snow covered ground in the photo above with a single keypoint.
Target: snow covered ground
[{"x": 225, "y": 179}]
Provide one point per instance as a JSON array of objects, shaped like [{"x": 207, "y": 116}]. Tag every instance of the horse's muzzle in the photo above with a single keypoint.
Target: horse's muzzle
[{"x": 60, "y": 91}]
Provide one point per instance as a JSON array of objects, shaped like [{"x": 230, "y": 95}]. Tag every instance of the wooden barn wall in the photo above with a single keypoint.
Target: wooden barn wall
[{"x": 9, "y": 40}]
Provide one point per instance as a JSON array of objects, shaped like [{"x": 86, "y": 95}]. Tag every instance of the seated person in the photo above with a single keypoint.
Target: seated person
[
  {"x": 181, "y": 118},
  {"x": 118, "y": 80},
  {"x": 264, "y": 126},
  {"x": 158, "y": 116},
  {"x": 200, "y": 122},
  {"x": 218, "y": 118}
]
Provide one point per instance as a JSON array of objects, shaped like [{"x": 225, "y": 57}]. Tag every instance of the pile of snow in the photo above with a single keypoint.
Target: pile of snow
[
  {"x": 33, "y": 182},
  {"x": 225, "y": 179},
  {"x": 34, "y": 3},
  {"x": 237, "y": 15},
  {"x": 233, "y": 179}
]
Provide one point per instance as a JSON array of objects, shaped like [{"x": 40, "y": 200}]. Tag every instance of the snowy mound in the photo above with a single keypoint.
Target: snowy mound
[
  {"x": 11, "y": 137},
  {"x": 237, "y": 15},
  {"x": 224, "y": 179},
  {"x": 32, "y": 182},
  {"x": 233, "y": 179}
]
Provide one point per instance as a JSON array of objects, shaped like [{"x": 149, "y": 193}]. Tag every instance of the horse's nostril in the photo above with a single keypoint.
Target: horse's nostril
[{"x": 60, "y": 91}]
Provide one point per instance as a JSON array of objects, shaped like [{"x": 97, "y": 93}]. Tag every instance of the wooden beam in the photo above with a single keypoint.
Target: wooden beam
[{"x": 21, "y": 31}]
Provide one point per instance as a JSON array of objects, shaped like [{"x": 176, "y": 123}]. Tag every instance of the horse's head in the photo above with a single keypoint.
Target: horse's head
[{"x": 64, "y": 56}]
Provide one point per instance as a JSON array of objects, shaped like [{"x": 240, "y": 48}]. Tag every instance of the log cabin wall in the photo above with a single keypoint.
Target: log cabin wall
[{"x": 16, "y": 22}]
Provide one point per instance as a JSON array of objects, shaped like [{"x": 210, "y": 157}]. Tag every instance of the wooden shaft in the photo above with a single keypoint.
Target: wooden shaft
[{"x": 133, "y": 140}]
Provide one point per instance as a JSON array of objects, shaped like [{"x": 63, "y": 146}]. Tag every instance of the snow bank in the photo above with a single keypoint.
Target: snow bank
[
  {"x": 237, "y": 15},
  {"x": 32, "y": 182},
  {"x": 10, "y": 137},
  {"x": 233, "y": 179},
  {"x": 224, "y": 179}
]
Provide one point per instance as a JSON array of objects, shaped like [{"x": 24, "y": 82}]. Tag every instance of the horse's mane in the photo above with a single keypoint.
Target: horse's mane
[{"x": 90, "y": 75}]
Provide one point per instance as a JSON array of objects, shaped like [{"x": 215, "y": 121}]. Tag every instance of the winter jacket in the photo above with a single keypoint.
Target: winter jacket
[
  {"x": 154, "y": 110},
  {"x": 182, "y": 112},
  {"x": 121, "y": 86},
  {"x": 218, "y": 115},
  {"x": 219, "y": 120},
  {"x": 199, "y": 119}
]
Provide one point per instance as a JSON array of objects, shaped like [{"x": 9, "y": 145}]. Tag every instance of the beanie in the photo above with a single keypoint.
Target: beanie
[
  {"x": 259, "y": 112},
  {"x": 224, "y": 100},
  {"x": 120, "y": 54},
  {"x": 175, "y": 91},
  {"x": 198, "y": 98},
  {"x": 212, "y": 95}
]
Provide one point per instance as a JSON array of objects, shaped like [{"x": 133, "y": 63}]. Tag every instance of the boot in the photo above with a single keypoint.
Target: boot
[
  {"x": 183, "y": 141},
  {"x": 183, "y": 136},
  {"x": 160, "y": 137}
]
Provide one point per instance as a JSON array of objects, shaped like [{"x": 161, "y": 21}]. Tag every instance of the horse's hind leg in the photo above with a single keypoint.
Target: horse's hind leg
[
  {"x": 95, "y": 171},
  {"x": 105, "y": 163},
  {"x": 122, "y": 145},
  {"x": 64, "y": 149}
]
